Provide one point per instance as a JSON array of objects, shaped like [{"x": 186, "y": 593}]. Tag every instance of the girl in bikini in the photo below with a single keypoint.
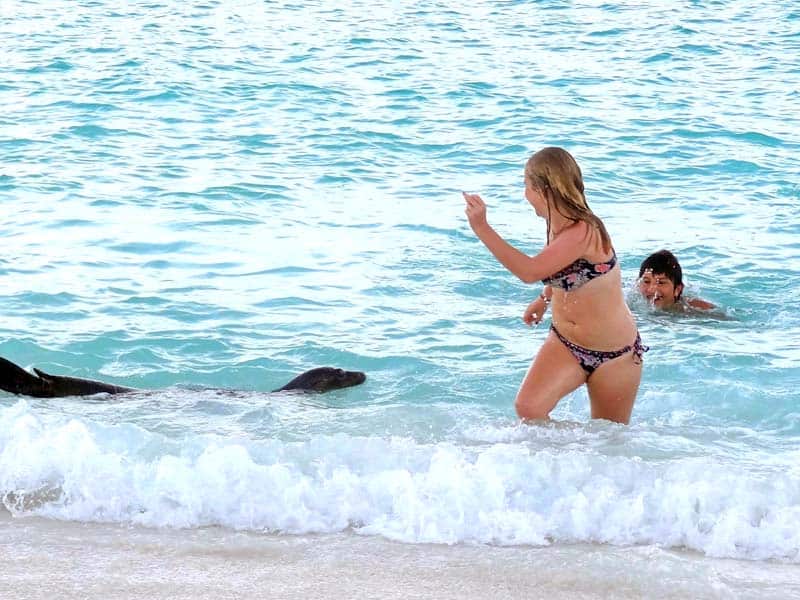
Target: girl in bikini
[{"x": 593, "y": 338}]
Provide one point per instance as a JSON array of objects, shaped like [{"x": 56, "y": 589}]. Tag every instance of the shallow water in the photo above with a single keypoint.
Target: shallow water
[{"x": 226, "y": 194}]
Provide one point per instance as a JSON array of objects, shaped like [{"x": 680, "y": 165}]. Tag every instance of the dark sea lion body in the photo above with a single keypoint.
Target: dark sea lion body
[
  {"x": 17, "y": 380},
  {"x": 323, "y": 379}
]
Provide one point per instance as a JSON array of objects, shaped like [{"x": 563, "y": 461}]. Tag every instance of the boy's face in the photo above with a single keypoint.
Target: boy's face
[{"x": 658, "y": 289}]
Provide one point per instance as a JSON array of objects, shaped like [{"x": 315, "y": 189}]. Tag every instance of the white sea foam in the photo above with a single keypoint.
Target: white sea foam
[{"x": 498, "y": 493}]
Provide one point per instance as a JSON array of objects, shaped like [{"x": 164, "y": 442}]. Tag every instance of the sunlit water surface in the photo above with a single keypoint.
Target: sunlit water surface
[{"x": 225, "y": 194}]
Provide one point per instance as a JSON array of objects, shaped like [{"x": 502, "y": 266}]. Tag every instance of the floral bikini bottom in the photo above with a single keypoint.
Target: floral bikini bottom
[{"x": 589, "y": 360}]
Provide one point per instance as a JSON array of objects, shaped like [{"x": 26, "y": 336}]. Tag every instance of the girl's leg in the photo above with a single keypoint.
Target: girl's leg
[
  {"x": 613, "y": 386},
  {"x": 553, "y": 374}
]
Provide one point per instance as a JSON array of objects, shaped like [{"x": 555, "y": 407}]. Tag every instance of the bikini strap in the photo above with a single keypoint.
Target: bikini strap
[{"x": 639, "y": 348}]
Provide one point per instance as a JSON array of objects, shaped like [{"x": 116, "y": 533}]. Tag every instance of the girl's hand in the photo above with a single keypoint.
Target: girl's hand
[
  {"x": 535, "y": 311},
  {"x": 475, "y": 210}
]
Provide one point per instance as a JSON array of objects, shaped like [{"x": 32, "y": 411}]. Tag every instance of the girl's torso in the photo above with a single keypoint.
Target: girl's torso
[{"x": 588, "y": 305}]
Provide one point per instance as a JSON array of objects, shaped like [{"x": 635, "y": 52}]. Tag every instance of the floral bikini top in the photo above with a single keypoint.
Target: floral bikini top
[{"x": 581, "y": 271}]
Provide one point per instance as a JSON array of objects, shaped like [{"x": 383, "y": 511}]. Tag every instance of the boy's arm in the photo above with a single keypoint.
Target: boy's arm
[{"x": 700, "y": 304}]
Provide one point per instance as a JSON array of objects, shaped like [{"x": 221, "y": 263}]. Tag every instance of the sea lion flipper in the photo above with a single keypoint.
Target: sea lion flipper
[
  {"x": 42, "y": 374},
  {"x": 60, "y": 385},
  {"x": 17, "y": 380}
]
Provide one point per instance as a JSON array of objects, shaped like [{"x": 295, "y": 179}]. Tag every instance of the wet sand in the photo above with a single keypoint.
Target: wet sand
[{"x": 50, "y": 559}]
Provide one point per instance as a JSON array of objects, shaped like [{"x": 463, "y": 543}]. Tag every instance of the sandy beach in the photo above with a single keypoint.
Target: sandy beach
[{"x": 51, "y": 559}]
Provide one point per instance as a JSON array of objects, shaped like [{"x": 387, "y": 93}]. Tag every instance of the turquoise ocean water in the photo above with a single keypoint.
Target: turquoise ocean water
[{"x": 224, "y": 194}]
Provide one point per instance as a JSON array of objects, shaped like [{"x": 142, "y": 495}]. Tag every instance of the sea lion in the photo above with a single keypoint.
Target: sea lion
[{"x": 17, "y": 380}]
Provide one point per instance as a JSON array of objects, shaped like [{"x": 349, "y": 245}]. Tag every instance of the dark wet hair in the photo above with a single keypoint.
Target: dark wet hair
[{"x": 663, "y": 262}]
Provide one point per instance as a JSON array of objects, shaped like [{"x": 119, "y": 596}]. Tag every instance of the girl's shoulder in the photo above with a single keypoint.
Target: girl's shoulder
[{"x": 575, "y": 232}]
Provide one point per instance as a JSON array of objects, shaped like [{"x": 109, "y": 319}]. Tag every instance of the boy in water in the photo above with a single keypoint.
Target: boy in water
[{"x": 661, "y": 283}]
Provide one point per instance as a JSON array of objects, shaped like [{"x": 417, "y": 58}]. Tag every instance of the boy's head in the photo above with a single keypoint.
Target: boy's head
[{"x": 661, "y": 279}]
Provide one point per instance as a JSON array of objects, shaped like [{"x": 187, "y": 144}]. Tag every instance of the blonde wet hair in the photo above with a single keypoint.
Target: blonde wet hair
[{"x": 555, "y": 173}]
